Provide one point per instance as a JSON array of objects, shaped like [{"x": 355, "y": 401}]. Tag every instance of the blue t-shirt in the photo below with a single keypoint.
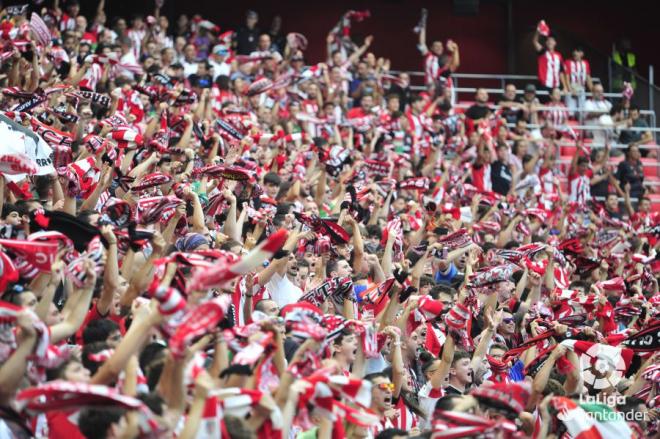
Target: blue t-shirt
[{"x": 447, "y": 276}]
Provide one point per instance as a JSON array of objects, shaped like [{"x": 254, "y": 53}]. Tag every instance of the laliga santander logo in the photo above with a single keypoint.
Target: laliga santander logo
[{"x": 600, "y": 369}]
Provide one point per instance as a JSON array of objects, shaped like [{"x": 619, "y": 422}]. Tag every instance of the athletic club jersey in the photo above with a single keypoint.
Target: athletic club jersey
[
  {"x": 556, "y": 113},
  {"x": 550, "y": 65},
  {"x": 433, "y": 71},
  {"x": 407, "y": 419},
  {"x": 579, "y": 188},
  {"x": 577, "y": 72},
  {"x": 481, "y": 178}
]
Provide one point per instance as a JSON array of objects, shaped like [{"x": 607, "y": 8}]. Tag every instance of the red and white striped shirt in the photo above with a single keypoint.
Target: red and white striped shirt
[
  {"x": 577, "y": 71},
  {"x": 550, "y": 65},
  {"x": 547, "y": 181},
  {"x": 556, "y": 113},
  {"x": 579, "y": 188},
  {"x": 433, "y": 71},
  {"x": 407, "y": 419}
]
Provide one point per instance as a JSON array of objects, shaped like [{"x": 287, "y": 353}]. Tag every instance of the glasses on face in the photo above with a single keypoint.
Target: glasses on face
[
  {"x": 508, "y": 320},
  {"x": 388, "y": 387}
]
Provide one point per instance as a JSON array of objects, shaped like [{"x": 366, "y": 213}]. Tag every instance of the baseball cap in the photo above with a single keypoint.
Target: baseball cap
[
  {"x": 220, "y": 49},
  {"x": 530, "y": 88}
]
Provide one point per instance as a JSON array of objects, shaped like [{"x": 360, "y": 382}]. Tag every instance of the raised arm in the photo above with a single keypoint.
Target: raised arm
[
  {"x": 535, "y": 41},
  {"x": 12, "y": 371},
  {"x": 81, "y": 298}
]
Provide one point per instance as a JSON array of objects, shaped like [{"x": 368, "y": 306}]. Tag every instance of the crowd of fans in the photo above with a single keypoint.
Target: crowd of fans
[{"x": 203, "y": 236}]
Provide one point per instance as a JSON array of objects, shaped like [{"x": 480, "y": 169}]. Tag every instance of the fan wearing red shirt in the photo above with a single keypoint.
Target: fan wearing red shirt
[
  {"x": 550, "y": 63},
  {"x": 481, "y": 169},
  {"x": 578, "y": 79},
  {"x": 579, "y": 177},
  {"x": 438, "y": 66}
]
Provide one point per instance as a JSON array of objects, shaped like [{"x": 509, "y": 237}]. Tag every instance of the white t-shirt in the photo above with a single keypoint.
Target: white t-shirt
[
  {"x": 189, "y": 68},
  {"x": 282, "y": 290},
  {"x": 220, "y": 68}
]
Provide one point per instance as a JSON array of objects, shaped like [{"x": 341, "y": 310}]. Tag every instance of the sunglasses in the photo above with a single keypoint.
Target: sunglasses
[
  {"x": 388, "y": 387},
  {"x": 508, "y": 320}
]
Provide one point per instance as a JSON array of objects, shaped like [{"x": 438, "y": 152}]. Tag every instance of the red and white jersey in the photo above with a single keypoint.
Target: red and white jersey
[
  {"x": 418, "y": 124},
  {"x": 579, "y": 188},
  {"x": 556, "y": 113},
  {"x": 136, "y": 37},
  {"x": 310, "y": 106},
  {"x": 381, "y": 425},
  {"x": 550, "y": 65},
  {"x": 547, "y": 181},
  {"x": 67, "y": 23},
  {"x": 92, "y": 77},
  {"x": 481, "y": 178},
  {"x": 407, "y": 419},
  {"x": 577, "y": 71},
  {"x": 433, "y": 71}
]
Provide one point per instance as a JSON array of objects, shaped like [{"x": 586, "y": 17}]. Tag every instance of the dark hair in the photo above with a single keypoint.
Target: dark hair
[
  {"x": 447, "y": 402},
  {"x": 91, "y": 349},
  {"x": 372, "y": 376},
  {"x": 8, "y": 208},
  {"x": 390, "y": 433},
  {"x": 272, "y": 178},
  {"x": 99, "y": 330},
  {"x": 86, "y": 214},
  {"x": 94, "y": 423},
  {"x": 152, "y": 360},
  {"x": 154, "y": 401},
  {"x": 460, "y": 355}
]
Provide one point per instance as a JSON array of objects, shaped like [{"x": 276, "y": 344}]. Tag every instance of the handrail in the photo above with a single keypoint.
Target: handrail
[
  {"x": 610, "y": 162},
  {"x": 479, "y": 75},
  {"x": 538, "y": 92},
  {"x": 542, "y": 107},
  {"x": 593, "y": 127}
]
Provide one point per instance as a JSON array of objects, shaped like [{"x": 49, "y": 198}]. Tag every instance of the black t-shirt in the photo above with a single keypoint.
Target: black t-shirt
[
  {"x": 246, "y": 40},
  {"x": 600, "y": 189},
  {"x": 477, "y": 111},
  {"x": 451, "y": 390},
  {"x": 510, "y": 114},
  {"x": 500, "y": 176},
  {"x": 633, "y": 174}
]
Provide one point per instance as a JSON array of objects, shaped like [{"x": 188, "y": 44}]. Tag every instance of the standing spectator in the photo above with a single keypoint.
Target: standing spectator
[
  {"x": 438, "y": 66},
  {"x": 512, "y": 107},
  {"x": 597, "y": 111},
  {"x": 625, "y": 62},
  {"x": 578, "y": 79},
  {"x": 68, "y": 18},
  {"x": 500, "y": 172},
  {"x": 276, "y": 35},
  {"x": 639, "y": 136},
  {"x": 246, "y": 38},
  {"x": 137, "y": 33},
  {"x": 631, "y": 172},
  {"x": 549, "y": 62},
  {"x": 602, "y": 176},
  {"x": 402, "y": 89},
  {"x": 579, "y": 180}
]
